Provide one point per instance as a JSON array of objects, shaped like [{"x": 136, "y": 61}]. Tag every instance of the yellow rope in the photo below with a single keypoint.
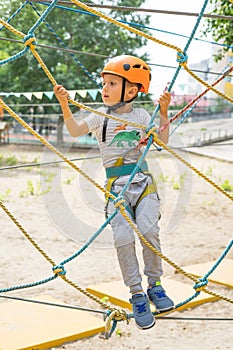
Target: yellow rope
[
  {"x": 125, "y": 26},
  {"x": 53, "y": 149},
  {"x": 149, "y": 37},
  {"x": 12, "y": 29},
  {"x": 160, "y": 254},
  {"x": 89, "y": 295},
  {"x": 31, "y": 43},
  {"x": 116, "y": 315},
  {"x": 170, "y": 262},
  {"x": 210, "y": 87},
  {"x": 11, "y": 216},
  {"x": 77, "y": 104},
  {"x": 33, "y": 132},
  {"x": 56, "y": 271},
  {"x": 219, "y": 188}
]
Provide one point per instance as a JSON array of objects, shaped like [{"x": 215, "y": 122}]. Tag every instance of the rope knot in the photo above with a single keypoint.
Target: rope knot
[
  {"x": 30, "y": 40},
  {"x": 182, "y": 58},
  {"x": 112, "y": 317},
  {"x": 199, "y": 286},
  {"x": 59, "y": 270},
  {"x": 151, "y": 130},
  {"x": 120, "y": 200}
]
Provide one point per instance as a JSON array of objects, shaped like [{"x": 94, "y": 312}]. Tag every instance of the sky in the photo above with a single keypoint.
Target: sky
[{"x": 184, "y": 25}]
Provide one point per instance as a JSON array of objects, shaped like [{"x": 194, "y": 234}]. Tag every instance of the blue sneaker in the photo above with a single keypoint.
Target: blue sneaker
[
  {"x": 141, "y": 310},
  {"x": 159, "y": 298}
]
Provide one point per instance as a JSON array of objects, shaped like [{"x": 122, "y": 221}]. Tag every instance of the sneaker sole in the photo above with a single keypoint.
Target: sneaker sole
[
  {"x": 164, "y": 310},
  {"x": 147, "y": 327}
]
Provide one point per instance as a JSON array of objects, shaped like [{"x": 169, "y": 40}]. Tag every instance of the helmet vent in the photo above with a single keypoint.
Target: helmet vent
[{"x": 139, "y": 66}]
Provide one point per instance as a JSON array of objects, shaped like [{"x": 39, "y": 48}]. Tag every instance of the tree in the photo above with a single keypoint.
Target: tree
[
  {"x": 96, "y": 38},
  {"x": 221, "y": 29}
]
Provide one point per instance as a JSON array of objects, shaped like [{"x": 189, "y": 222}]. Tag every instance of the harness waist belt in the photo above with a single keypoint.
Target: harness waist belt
[{"x": 125, "y": 169}]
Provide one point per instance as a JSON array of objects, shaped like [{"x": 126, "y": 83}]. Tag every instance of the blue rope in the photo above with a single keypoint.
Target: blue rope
[
  {"x": 21, "y": 53},
  {"x": 203, "y": 281},
  {"x": 195, "y": 295},
  {"x": 43, "y": 16},
  {"x": 139, "y": 164},
  {"x": 222, "y": 256},
  {"x": 114, "y": 324},
  {"x": 87, "y": 244},
  {"x": 182, "y": 59},
  {"x": 15, "y": 13},
  {"x": 35, "y": 284},
  {"x": 30, "y": 34},
  {"x": 66, "y": 47},
  {"x": 133, "y": 24},
  {"x": 186, "y": 114},
  {"x": 14, "y": 57}
]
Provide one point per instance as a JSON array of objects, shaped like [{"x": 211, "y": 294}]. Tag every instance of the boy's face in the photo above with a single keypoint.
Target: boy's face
[
  {"x": 111, "y": 92},
  {"x": 112, "y": 87}
]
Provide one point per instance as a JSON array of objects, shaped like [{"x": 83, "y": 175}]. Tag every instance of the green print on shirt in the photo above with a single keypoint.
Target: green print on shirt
[{"x": 126, "y": 136}]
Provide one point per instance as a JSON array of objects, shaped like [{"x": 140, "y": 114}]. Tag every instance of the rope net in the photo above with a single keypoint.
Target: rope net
[{"x": 114, "y": 315}]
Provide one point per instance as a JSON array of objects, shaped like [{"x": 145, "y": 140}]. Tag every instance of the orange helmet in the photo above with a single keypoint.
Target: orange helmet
[{"x": 131, "y": 68}]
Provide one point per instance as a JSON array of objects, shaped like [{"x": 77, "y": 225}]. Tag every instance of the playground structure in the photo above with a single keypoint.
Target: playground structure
[{"x": 96, "y": 293}]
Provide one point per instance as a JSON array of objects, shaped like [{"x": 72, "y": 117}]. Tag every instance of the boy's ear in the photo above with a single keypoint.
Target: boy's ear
[{"x": 133, "y": 91}]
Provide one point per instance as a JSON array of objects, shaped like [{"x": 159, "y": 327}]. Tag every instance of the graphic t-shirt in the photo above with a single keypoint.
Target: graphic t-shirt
[{"x": 122, "y": 140}]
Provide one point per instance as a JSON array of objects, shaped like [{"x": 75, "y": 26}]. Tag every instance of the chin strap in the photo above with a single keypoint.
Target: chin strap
[{"x": 114, "y": 107}]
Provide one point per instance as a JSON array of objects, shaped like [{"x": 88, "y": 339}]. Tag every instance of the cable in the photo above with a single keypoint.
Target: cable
[
  {"x": 195, "y": 318},
  {"x": 98, "y": 157},
  {"x": 66, "y": 306},
  {"x": 78, "y": 308},
  {"x": 45, "y": 163},
  {"x": 99, "y": 55},
  {"x": 56, "y": 48},
  {"x": 139, "y": 9}
]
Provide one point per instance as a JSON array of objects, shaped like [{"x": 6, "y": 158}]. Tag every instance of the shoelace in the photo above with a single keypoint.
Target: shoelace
[
  {"x": 141, "y": 307},
  {"x": 159, "y": 294}
]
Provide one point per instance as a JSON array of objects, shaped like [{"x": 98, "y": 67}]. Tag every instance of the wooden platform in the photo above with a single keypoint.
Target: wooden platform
[
  {"x": 25, "y": 325},
  {"x": 222, "y": 275},
  {"x": 118, "y": 294}
]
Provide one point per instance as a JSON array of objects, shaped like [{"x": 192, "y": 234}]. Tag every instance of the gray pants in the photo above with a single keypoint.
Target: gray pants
[{"x": 146, "y": 218}]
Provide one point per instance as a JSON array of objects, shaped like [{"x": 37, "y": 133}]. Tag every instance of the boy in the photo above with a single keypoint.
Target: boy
[{"x": 123, "y": 77}]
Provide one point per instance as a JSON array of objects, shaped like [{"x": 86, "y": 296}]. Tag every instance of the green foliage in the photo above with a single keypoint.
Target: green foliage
[
  {"x": 8, "y": 160},
  {"x": 221, "y": 29},
  {"x": 209, "y": 171},
  {"x": 79, "y": 31},
  {"x": 161, "y": 178},
  {"x": 48, "y": 177},
  {"x": 180, "y": 184},
  {"x": 227, "y": 186},
  {"x": 33, "y": 190},
  {"x": 30, "y": 188},
  {"x": 69, "y": 180},
  {"x": 5, "y": 197}
]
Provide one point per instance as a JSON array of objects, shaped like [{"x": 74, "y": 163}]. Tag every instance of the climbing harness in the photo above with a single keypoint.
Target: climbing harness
[{"x": 120, "y": 169}]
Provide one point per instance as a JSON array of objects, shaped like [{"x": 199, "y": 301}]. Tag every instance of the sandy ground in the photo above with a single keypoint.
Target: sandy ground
[{"x": 60, "y": 211}]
